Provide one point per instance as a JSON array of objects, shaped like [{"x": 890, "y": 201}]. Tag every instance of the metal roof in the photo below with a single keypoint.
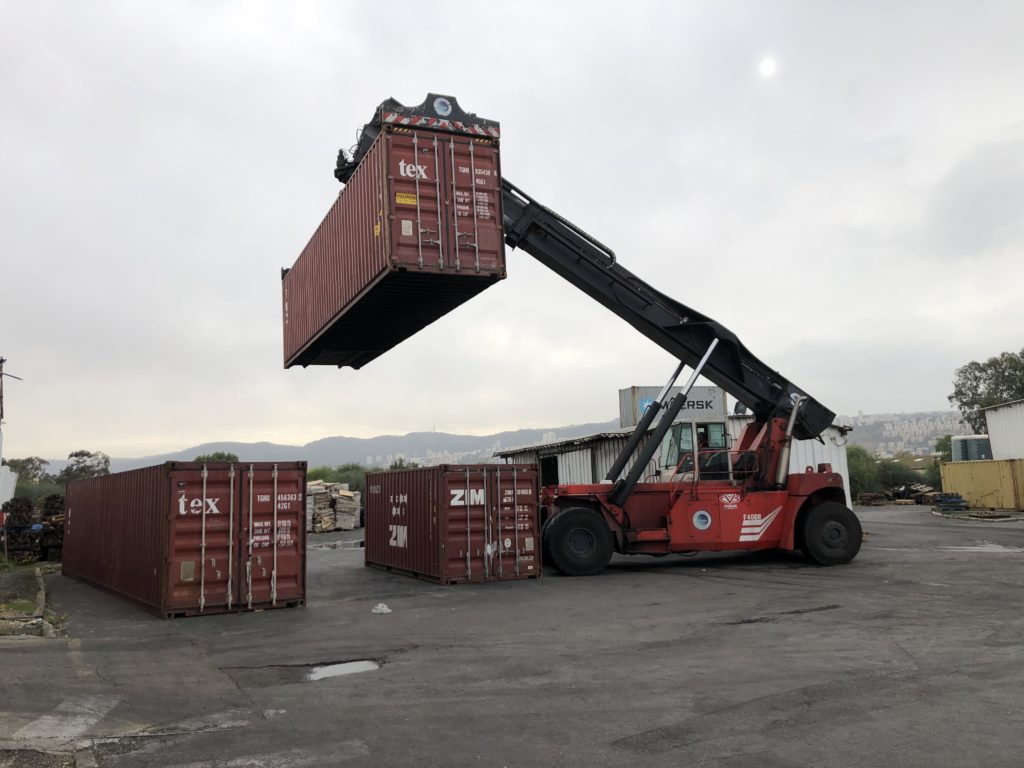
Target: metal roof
[{"x": 1001, "y": 405}]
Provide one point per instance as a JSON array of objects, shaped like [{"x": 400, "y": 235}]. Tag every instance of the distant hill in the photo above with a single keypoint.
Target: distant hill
[{"x": 422, "y": 447}]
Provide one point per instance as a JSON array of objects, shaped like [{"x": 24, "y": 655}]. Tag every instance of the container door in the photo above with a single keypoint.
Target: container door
[
  {"x": 272, "y": 537},
  {"x": 473, "y": 203},
  {"x": 514, "y": 552},
  {"x": 415, "y": 186},
  {"x": 200, "y": 574},
  {"x": 467, "y": 522}
]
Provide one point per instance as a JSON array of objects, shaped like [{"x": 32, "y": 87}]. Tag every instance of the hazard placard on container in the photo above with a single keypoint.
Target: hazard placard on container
[{"x": 404, "y": 198}]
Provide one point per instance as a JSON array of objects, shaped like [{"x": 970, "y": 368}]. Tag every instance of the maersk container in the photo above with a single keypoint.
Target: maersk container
[
  {"x": 455, "y": 523},
  {"x": 187, "y": 538},
  {"x": 416, "y": 232}
]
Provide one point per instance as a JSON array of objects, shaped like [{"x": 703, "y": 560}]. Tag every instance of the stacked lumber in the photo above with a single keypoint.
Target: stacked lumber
[
  {"x": 871, "y": 499},
  {"x": 332, "y": 506}
]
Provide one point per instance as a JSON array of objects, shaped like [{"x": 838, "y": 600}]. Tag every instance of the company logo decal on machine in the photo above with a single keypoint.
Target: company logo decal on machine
[
  {"x": 729, "y": 500},
  {"x": 476, "y": 497},
  {"x": 754, "y": 525},
  {"x": 195, "y": 507}
]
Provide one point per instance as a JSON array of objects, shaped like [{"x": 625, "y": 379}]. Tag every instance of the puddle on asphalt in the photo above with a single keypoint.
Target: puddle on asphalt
[{"x": 345, "y": 668}]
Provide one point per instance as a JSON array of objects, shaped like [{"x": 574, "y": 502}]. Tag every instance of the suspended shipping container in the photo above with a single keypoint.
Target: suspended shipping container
[
  {"x": 187, "y": 538},
  {"x": 454, "y": 524},
  {"x": 416, "y": 232}
]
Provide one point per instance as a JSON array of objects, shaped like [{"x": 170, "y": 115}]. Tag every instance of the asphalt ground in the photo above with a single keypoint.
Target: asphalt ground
[{"x": 909, "y": 656}]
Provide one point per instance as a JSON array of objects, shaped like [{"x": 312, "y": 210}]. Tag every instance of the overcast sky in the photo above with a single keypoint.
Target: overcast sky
[{"x": 856, "y": 217}]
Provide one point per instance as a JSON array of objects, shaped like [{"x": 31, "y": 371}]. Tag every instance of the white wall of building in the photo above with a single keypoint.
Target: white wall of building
[
  {"x": 1006, "y": 430},
  {"x": 8, "y": 480}
]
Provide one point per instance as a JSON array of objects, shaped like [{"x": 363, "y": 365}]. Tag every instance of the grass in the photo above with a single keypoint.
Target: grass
[{"x": 18, "y": 607}]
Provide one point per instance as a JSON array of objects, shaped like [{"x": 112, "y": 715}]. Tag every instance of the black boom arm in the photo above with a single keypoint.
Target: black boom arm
[{"x": 683, "y": 332}]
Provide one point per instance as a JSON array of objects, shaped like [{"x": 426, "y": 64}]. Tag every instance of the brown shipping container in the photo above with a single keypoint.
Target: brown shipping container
[
  {"x": 186, "y": 538},
  {"x": 416, "y": 232},
  {"x": 455, "y": 524}
]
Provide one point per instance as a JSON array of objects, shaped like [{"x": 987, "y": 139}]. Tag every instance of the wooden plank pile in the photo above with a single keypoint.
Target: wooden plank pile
[{"x": 331, "y": 506}]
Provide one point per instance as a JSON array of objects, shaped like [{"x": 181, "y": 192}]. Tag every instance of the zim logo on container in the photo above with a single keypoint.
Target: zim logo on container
[
  {"x": 195, "y": 507},
  {"x": 476, "y": 497},
  {"x": 399, "y": 536}
]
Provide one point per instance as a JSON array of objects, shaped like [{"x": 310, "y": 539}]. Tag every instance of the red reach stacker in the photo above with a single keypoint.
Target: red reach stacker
[{"x": 743, "y": 498}]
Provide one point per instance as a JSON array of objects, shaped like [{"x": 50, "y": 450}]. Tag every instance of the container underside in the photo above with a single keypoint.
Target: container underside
[{"x": 401, "y": 304}]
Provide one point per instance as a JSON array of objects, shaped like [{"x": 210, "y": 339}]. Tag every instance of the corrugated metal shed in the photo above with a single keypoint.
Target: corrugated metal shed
[
  {"x": 1006, "y": 429},
  {"x": 588, "y": 459},
  {"x": 580, "y": 459}
]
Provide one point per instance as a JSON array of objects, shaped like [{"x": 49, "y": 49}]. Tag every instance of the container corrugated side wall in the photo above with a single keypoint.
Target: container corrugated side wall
[
  {"x": 348, "y": 252},
  {"x": 986, "y": 484},
  {"x": 403, "y": 529},
  {"x": 115, "y": 532}
]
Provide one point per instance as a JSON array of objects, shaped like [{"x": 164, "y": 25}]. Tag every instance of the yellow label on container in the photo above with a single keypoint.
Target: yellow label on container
[
  {"x": 404, "y": 198},
  {"x": 376, "y": 229}
]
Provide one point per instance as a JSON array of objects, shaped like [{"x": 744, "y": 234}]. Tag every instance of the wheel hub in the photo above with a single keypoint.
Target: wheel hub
[
  {"x": 834, "y": 535},
  {"x": 581, "y": 542}
]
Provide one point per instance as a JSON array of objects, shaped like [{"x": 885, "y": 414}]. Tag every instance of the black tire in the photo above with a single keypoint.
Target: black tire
[
  {"x": 545, "y": 551},
  {"x": 579, "y": 542},
  {"x": 831, "y": 534}
]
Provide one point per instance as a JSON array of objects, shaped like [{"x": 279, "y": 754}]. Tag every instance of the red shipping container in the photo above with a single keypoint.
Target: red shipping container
[
  {"x": 454, "y": 524},
  {"x": 416, "y": 232},
  {"x": 187, "y": 538}
]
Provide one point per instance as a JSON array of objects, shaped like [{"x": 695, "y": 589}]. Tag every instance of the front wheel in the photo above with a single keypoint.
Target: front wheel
[
  {"x": 579, "y": 542},
  {"x": 831, "y": 534}
]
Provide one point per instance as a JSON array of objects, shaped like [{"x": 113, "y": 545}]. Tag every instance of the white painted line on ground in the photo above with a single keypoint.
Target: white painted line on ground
[
  {"x": 985, "y": 546},
  {"x": 69, "y": 720}
]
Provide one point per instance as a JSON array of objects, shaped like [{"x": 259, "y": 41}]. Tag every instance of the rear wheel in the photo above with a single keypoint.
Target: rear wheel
[
  {"x": 578, "y": 542},
  {"x": 831, "y": 534}
]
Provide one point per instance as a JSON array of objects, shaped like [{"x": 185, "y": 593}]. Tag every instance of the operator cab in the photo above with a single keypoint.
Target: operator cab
[{"x": 712, "y": 452}]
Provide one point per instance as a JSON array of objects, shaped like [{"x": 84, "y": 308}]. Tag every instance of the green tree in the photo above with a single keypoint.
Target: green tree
[
  {"x": 85, "y": 464},
  {"x": 944, "y": 447},
  {"x": 216, "y": 456},
  {"x": 892, "y": 474},
  {"x": 353, "y": 474},
  {"x": 999, "y": 379},
  {"x": 401, "y": 463},
  {"x": 32, "y": 469},
  {"x": 863, "y": 471}
]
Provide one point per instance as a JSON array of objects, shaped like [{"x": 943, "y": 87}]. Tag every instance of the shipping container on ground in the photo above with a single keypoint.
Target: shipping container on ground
[
  {"x": 187, "y": 538},
  {"x": 416, "y": 232},
  {"x": 986, "y": 484},
  {"x": 455, "y": 523}
]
